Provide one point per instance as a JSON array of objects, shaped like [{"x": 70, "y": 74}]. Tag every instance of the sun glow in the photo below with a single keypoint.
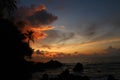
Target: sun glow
[{"x": 87, "y": 48}]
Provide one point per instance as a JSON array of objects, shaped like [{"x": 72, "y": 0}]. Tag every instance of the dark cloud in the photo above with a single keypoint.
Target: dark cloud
[
  {"x": 111, "y": 51},
  {"x": 42, "y": 17},
  {"x": 36, "y": 19},
  {"x": 91, "y": 30},
  {"x": 49, "y": 0},
  {"x": 23, "y": 12},
  {"x": 113, "y": 20},
  {"x": 106, "y": 28},
  {"x": 60, "y": 7},
  {"x": 58, "y": 36},
  {"x": 66, "y": 36},
  {"x": 39, "y": 52},
  {"x": 35, "y": 15},
  {"x": 53, "y": 36}
]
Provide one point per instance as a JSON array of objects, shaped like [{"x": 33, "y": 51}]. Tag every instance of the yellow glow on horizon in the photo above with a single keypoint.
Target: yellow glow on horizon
[{"x": 82, "y": 48}]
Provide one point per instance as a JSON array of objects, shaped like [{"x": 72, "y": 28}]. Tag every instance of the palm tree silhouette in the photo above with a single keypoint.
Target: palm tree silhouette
[
  {"x": 7, "y": 7},
  {"x": 29, "y": 35}
]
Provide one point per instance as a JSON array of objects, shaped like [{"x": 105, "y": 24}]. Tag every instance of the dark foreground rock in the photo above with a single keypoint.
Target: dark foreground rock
[
  {"x": 65, "y": 75},
  {"x": 52, "y": 64},
  {"x": 78, "y": 68}
]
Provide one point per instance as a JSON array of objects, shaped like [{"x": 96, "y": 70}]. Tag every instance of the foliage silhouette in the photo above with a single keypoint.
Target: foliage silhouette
[
  {"x": 7, "y": 7},
  {"x": 13, "y": 51},
  {"x": 29, "y": 35}
]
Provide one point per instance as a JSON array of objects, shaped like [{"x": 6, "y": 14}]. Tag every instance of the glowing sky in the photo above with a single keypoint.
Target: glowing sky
[{"x": 81, "y": 26}]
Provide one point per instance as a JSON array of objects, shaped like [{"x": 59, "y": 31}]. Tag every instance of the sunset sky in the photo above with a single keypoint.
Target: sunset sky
[{"x": 72, "y": 27}]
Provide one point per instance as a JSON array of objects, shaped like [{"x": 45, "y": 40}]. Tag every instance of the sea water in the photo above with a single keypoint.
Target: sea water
[{"x": 96, "y": 71}]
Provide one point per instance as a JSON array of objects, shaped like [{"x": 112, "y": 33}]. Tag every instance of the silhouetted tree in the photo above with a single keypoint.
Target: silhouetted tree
[
  {"x": 7, "y": 7},
  {"x": 13, "y": 51},
  {"x": 29, "y": 35},
  {"x": 13, "y": 65}
]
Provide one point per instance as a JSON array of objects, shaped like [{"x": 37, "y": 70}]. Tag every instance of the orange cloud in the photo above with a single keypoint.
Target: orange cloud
[
  {"x": 38, "y": 32},
  {"x": 39, "y": 8},
  {"x": 35, "y": 19},
  {"x": 102, "y": 41},
  {"x": 82, "y": 48},
  {"x": 45, "y": 55},
  {"x": 25, "y": 11},
  {"x": 35, "y": 9},
  {"x": 93, "y": 42},
  {"x": 46, "y": 46},
  {"x": 39, "y": 35},
  {"x": 85, "y": 46},
  {"x": 45, "y": 28},
  {"x": 50, "y": 54}
]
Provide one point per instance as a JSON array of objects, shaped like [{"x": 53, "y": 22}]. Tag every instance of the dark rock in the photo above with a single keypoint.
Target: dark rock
[
  {"x": 78, "y": 68},
  {"x": 86, "y": 78},
  {"x": 53, "y": 64},
  {"x": 65, "y": 73},
  {"x": 45, "y": 77},
  {"x": 40, "y": 67},
  {"x": 110, "y": 77}
]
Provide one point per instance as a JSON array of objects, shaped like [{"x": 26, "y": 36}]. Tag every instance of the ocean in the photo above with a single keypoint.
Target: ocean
[{"x": 96, "y": 71}]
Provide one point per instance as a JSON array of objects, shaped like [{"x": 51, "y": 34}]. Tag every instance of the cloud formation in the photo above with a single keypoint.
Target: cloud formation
[
  {"x": 35, "y": 19},
  {"x": 23, "y": 12},
  {"x": 110, "y": 54},
  {"x": 58, "y": 36},
  {"x": 36, "y": 15},
  {"x": 106, "y": 28},
  {"x": 42, "y": 18}
]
